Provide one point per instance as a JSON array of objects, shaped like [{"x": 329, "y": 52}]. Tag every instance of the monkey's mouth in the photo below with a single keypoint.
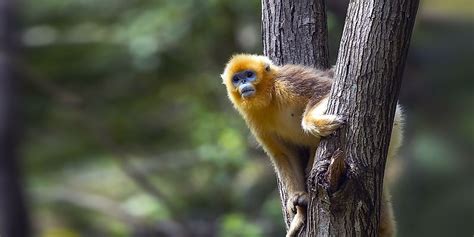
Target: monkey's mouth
[{"x": 247, "y": 92}]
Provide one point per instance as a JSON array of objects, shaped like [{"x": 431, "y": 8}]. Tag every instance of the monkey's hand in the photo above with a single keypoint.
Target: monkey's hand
[
  {"x": 322, "y": 125},
  {"x": 296, "y": 205}
]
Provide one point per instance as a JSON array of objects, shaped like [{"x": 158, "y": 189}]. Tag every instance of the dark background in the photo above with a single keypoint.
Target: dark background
[{"x": 127, "y": 130}]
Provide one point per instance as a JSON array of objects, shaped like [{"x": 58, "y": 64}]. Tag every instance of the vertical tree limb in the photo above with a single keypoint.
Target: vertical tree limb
[
  {"x": 295, "y": 32},
  {"x": 369, "y": 70},
  {"x": 13, "y": 214}
]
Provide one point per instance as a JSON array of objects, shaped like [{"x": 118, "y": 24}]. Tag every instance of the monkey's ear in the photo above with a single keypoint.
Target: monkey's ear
[
  {"x": 267, "y": 67},
  {"x": 222, "y": 77}
]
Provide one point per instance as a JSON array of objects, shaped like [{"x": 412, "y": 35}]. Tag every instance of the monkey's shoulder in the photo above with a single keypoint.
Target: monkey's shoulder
[{"x": 303, "y": 81}]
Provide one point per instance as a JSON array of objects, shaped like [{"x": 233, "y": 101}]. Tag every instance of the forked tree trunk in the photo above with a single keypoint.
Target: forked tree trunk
[
  {"x": 13, "y": 218},
  {"x": 345, "y": 196}
]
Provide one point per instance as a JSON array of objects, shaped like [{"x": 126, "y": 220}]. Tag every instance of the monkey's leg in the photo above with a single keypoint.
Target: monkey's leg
[
  {"x": 297, "y": 222},
  {"x": 291, "y": 174}
]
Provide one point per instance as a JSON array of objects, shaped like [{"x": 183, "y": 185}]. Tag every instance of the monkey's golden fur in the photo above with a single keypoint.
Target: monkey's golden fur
[{"x": 286, "y": 115}]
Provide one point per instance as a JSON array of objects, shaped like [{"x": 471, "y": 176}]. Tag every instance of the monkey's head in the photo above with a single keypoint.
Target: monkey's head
[{"x": 249, "y": 80}]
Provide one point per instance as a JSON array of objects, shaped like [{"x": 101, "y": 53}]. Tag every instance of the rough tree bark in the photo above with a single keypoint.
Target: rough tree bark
[
  {"x": 13, "y": 217},
  {"x": 346, "y": 181},
  {"x": 295, "y": 32},
  {"x": 345, "y": 195}
]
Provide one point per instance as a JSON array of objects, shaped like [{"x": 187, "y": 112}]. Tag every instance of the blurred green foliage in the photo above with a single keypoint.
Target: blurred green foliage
[
  {"x": 115, "y": 84},
  {"x": 235, "y": 225}
]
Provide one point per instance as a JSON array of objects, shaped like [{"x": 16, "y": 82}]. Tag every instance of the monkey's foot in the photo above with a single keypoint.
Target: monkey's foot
[
  {"x": 324, "y": 125},
  {"x": 297, "y": 204},
  {"x": 297, "y": 199}
]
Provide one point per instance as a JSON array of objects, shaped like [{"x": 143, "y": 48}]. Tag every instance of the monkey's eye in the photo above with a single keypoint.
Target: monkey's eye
[
  {"x": 249, "y": 74},
  {"x": 235, "y": 79}
]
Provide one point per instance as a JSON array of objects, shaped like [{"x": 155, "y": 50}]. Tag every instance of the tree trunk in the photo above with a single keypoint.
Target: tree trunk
[
  {"x": 13, "y": 218},
  {"x": 369, "y": 70},
  {"x": 345, "y": 184},
  {"x": 295, "y": 32}
]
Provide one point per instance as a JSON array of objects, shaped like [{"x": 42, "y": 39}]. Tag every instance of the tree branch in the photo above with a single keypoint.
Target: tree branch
[
  {"x": 14, "y": 219},
  {"x": 368, "y": 77},
  {"x": 295, "y": 32}
]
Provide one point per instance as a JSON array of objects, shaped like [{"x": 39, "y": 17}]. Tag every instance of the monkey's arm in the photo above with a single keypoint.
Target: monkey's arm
[{"x": 316, "y": 122}]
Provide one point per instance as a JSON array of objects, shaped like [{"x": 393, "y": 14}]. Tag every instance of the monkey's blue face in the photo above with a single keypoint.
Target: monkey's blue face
[{"x": 243, "y": 81}]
